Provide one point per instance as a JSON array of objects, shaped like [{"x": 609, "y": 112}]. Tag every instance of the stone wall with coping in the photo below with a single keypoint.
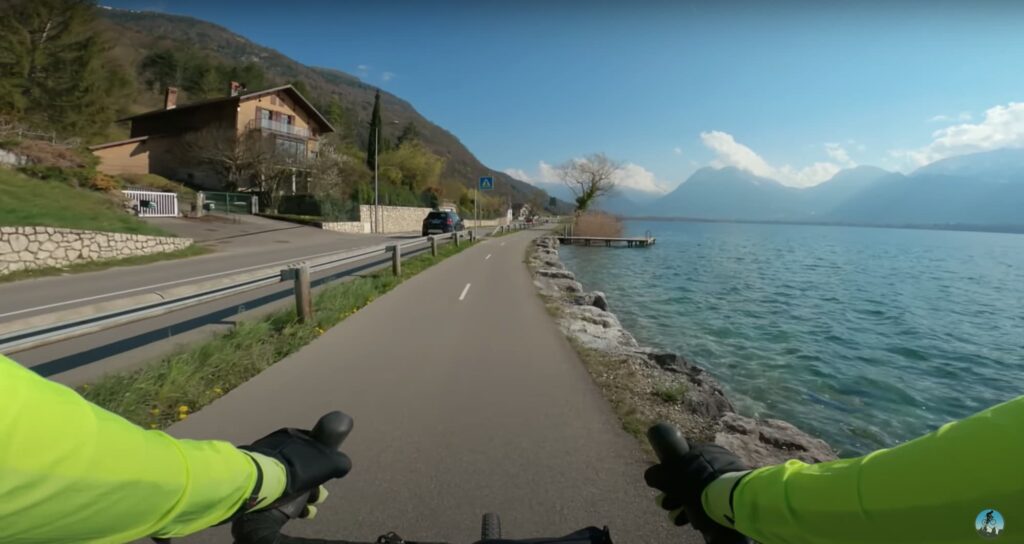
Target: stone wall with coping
[
  {"x": 396, "y": 219},
  {"x": 349, "y": 227},
  {"x": 25, "y": 248}
]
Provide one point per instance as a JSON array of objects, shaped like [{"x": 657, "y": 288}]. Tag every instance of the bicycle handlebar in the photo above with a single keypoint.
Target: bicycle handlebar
[
  {"x": 331, "y": 430},
  {"x": 669, "y": 445}
]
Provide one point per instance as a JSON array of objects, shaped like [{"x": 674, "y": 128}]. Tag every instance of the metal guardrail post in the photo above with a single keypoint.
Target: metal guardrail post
[
  {"x": 396, "y": 259},
  {"x": 472, "y": 236},
  {"x": 455, "y": 236},
  {"x": 433, "y": 246},
  {"x": 303, "y": 296}
]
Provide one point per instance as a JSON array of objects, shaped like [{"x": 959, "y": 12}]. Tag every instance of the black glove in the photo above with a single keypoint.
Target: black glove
[
  {"x": 683, "y": 481},
  {"x": 308, "y": 463}
]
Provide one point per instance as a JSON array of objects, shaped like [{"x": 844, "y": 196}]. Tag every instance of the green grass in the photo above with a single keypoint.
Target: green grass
[
  {"x": 157, "y": 395},
  {"x": 671, "y": 393},
  {"x": 26, "y": 201},
  {"x": 93, "y": 266}
]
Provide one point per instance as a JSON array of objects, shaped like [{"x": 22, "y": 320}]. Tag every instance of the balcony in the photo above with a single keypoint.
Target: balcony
[{"x": 278, "y": 127}]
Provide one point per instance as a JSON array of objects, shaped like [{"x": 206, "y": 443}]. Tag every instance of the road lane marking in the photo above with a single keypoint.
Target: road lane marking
[
  {"x": 503, "y": 243},
  {"x": 464, "y": 291},
  {"x": 487, "y": 257}
]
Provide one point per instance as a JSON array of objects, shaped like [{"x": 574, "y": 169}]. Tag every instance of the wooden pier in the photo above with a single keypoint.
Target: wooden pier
[{"x": 607, "y": 242}]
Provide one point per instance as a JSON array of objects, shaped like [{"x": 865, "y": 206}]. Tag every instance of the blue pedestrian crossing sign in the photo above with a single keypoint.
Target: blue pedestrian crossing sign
[{"x": 486, "y": 183}]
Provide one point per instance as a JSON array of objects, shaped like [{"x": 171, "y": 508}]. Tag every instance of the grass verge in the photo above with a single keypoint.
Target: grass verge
[
  {"x": 168, "y": 390},
  {"x": 93, "y": 266},
  {"x": 28, "y": 202}
]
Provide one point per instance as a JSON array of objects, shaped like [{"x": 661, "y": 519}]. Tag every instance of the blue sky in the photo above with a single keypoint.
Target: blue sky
[{"x": 792, "y": 90}]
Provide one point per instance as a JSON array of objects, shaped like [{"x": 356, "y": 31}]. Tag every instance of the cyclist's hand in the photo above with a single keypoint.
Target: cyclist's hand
[
  {"x": 295, "y": 470},
  {"x": 683, "y": 480}
]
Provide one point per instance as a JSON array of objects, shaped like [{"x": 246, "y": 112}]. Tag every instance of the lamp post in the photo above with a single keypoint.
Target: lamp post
[{"x": 376, "y": 184}]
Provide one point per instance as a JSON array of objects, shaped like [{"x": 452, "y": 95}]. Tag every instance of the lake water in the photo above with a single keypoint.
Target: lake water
[{"x": 864, "y": 337}]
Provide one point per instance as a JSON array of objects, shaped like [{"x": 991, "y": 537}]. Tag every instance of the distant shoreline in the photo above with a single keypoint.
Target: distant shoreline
[{"x": 1001, "y": 229}]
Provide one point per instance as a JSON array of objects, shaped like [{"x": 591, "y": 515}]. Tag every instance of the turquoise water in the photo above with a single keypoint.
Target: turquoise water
[{"x": 864, "y": 337}]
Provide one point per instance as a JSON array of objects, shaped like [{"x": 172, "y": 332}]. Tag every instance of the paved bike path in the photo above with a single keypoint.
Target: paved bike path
[{"x": 466, "y": 400}]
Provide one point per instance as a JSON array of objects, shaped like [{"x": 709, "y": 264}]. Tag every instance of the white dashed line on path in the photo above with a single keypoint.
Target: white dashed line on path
[
  {"x": 464, "y": 291},
  {"x": 487, "y": 257}
]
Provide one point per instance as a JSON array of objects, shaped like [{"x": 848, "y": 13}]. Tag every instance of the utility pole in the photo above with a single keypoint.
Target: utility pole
[
  {"x": 476, "y": 206},
  {"x": 376, "y": 184}
]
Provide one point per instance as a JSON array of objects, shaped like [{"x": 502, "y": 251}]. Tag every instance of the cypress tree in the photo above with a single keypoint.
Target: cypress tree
[{"x": 375, "y": 127}]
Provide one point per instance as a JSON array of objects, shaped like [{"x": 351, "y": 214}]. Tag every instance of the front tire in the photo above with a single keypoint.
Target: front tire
[{"x": 490, "y": 527}]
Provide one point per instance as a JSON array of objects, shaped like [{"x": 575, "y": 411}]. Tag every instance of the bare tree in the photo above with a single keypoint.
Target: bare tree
[
  {"x": 250, "y": 160},
  {"x": 589, "y": 178}
]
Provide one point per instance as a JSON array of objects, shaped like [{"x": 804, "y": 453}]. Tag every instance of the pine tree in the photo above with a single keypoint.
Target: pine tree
[
  {"x": 52, "y": 67},
  {"x": 375, "y": 127}
]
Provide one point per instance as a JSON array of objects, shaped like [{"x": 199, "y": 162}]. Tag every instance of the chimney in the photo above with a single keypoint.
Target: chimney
[
  {"x": 235, "y": 88},
  {"x": 170, "y": 98}
]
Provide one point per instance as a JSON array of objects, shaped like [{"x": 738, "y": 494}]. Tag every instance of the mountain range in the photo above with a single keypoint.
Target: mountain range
[{"x": 977, "y": 189}]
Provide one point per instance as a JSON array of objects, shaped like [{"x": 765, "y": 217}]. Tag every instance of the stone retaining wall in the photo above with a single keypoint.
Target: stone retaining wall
[
  {"x": 24, "y": 248},
  {"x": 350, "y": 227},
  {"x": 396, "y": 219}
]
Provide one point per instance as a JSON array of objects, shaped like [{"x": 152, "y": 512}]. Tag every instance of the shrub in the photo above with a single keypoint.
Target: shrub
[{"x": 598, "y": 224}]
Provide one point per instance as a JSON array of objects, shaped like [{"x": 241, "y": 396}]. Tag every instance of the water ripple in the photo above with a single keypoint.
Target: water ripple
[{"x": 866, "y": 337}]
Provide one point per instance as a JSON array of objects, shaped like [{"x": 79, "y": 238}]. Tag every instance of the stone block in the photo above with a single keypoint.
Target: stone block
[
  {"x": 19, "y": 242},
  {"x": 48, "y": 246},
  {"x": 33, "y": 246},
  {"x": 72, "y": 254},
  {"x": 59, "y": 253},
  {"x": 5, "y": 247}
]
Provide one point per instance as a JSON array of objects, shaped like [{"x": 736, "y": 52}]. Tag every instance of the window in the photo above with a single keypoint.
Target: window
[{"x": 291, "y": 148}]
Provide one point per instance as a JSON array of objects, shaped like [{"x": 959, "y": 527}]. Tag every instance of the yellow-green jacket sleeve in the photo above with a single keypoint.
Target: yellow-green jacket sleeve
[
  {"x": 927, "y": 490},
  {"x": 73, "y": 472}
]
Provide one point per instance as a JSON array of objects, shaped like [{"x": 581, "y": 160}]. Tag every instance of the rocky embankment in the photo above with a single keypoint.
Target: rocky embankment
[{"x": 646, "y": 385}]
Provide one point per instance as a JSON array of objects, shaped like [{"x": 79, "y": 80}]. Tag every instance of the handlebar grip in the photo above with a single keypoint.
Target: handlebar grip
[
  {"x": 332, "y": 429},
  {"x": 668, "y": 443}
]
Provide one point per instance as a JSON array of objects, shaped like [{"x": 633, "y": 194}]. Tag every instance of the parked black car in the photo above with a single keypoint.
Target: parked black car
[{"x": 442, "y": 222}]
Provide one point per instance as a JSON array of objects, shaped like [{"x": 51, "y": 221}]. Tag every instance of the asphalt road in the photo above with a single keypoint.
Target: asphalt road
[
  {"x": 466, "y": 399},
  {"x": 254, "y": 242}
]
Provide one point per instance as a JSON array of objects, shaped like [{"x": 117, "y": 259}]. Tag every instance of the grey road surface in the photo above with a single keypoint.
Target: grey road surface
[
  {"x": 466, "y": 399},
  {"x": 252, "y": 243}
]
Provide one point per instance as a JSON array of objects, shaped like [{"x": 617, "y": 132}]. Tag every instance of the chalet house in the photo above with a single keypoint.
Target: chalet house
[{"x": 159, "y": 138}]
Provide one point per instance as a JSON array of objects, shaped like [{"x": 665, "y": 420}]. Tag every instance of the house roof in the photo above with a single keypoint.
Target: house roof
[
  {"x": 119, "y": 142},
  {"x": 296, "y": 95}
]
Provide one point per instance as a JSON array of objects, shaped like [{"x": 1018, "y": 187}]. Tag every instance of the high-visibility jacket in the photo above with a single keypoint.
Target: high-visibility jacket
[
  {"x": 71, "y": 471},
  {"x": 929, "y": 490}
]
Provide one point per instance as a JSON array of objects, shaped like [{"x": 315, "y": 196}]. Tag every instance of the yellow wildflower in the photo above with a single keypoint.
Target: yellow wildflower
[
  {"x": 182, "y": 416},
  {"x": 183, "y": 409}
]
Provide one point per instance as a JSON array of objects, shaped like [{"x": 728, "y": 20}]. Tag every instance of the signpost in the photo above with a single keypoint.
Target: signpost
[{"x": 486, "y": 184}]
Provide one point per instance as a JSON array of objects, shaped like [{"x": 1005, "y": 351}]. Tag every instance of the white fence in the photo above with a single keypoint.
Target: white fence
[{"x": 153, "y": 204}]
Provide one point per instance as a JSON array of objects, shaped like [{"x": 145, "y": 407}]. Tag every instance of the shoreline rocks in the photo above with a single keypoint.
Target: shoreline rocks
[{"x": 656, "y": 384}]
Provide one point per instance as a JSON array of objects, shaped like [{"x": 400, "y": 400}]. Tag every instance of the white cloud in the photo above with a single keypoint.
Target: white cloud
[
  {"x": 547, "y": 173},
  {"x": 636, "y": 177},
  {"x": 838, "y": 153},
  {"x": 677, "y": 151},
  {"x": 631, "y": 176},
  {"x": 943, "y": 118},
  {"x": 729, "y": 152},
  {"x": 387, "y": 76},
  {"x": 363, "y": 70},
  {"x": 519, "y": 174},
  {"x": 1003, "y": 126}
]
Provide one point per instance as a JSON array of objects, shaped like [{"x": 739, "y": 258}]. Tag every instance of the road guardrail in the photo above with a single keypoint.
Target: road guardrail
[{"x": 40, "y": 330}]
